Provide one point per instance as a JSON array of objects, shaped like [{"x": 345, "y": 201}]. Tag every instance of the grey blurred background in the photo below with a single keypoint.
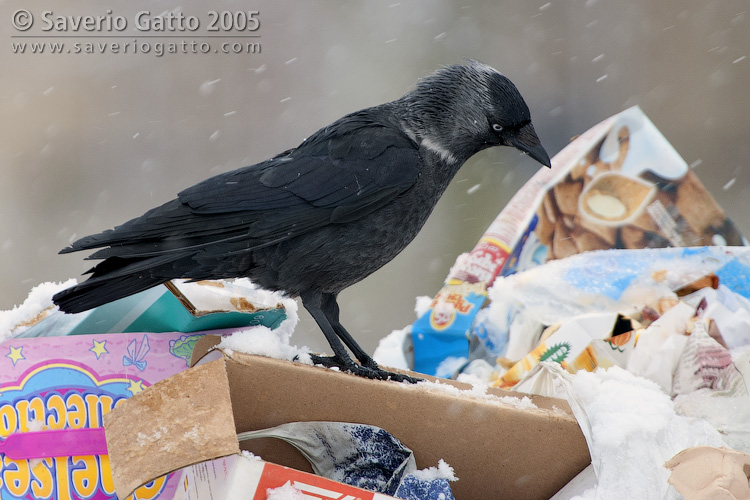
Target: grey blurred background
[{"x": 88, "y": 141}]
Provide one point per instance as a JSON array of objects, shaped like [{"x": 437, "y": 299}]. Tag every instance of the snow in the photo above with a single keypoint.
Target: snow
[
  {"x": 250, "y": 455},
  {"x": 631, "y": 423},
  {"x": 478, "y": 392},
  {"x": 632, "y": 426},
  {"x": 209, "y": 298},
  {"x": 422, "y": 305},
  {"x": 285, "y": 492},
  {"x": 208, "y": 87},
  {"x": 476, "y": 372},
  {"x": 633, "y": 429},
  {"x": 263, "y": 341},
  {"x": 390, "y": 350},
  {"x": 442, "y": 471},
  {"x": 36, "y": 306},
  {"x": 449, "y": 366}
]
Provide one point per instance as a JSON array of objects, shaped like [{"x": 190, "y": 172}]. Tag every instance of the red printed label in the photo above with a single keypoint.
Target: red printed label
[
  {"x": 310, "y": 485},
  {"x": 483, "y": 263}
]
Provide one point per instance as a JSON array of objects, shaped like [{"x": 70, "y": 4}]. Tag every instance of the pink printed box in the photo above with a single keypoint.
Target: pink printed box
[{"x": 69, "y": 383}]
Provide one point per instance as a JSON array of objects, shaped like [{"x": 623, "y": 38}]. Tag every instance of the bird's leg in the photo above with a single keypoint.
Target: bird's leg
[
  {"x": 313, "y": 303},
  {"x": 330, "y": 309}
]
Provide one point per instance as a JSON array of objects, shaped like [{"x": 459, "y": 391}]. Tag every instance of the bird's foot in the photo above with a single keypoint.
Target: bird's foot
[{"x": 369, "y": 370}]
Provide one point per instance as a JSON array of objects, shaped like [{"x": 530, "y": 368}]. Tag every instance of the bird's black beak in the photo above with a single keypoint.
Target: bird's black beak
[{"x": 527, "y": 141}]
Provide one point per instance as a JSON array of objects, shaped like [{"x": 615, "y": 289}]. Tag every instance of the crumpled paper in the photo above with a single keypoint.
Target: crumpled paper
[{"x": 708, "y": 473}]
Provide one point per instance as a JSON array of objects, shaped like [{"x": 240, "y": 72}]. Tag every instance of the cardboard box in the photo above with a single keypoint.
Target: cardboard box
[
  {"x": 179, "y": 306},
  {"x": 72, "y": 382},
  {"x": 497, "y": 450}
]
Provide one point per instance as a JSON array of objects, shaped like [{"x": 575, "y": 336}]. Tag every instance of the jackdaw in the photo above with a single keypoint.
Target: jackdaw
[{"x": 322, "y": 216}]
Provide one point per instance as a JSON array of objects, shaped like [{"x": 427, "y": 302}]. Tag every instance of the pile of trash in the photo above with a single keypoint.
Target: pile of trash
[
  {"x": 594, "y": 344},
  {"x": 651, "y": 348},
  {"x": 617, "y": 283}
]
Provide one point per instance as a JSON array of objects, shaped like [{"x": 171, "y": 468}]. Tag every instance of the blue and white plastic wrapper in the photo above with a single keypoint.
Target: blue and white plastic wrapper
[{"x": 622, "y": 281}]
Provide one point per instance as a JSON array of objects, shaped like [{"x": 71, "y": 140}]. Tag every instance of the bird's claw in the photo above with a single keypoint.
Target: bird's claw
[{"x": 369, "y": 369}]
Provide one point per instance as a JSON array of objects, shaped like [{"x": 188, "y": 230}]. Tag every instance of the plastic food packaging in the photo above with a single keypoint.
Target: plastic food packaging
[{"x": 618, "y": 185}]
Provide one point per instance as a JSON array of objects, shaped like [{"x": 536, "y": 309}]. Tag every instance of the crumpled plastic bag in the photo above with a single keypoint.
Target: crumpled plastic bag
[
  {"x": 659, "y": 348},
  {"x": 708, "y": 385},
  {"x": 623, "y": 281},
  {"x": 361, "y": 455},
  {"x": 729, "y": 309}
]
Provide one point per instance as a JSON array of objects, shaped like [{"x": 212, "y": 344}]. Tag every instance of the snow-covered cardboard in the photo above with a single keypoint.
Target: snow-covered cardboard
[
  {"x": 190, "y": 307},
  {"x": 179, "y": 306},
  {"x": 497, "y": 449}
]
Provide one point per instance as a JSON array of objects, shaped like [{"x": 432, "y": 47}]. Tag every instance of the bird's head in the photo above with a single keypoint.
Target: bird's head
[{"x": 462, "y": 109}]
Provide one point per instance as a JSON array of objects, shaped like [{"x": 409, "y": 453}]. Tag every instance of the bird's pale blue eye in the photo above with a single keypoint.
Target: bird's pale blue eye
[{"x": 497, "y": 127}]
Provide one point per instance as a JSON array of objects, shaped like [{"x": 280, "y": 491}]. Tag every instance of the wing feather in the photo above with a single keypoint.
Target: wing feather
[{"x": 341, "y": 173}]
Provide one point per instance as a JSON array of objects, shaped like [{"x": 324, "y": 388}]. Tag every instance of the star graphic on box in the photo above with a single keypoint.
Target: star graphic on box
[
  {"x": 99, "y": 348},
  {"x": 135, "y": 387},
  {"x": 15, "y": 354}
]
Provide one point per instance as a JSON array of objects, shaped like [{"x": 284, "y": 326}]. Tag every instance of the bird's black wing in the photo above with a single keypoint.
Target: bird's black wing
[
  {"x": 351, "y": 158},
  {"x": 340, "y": 174}
]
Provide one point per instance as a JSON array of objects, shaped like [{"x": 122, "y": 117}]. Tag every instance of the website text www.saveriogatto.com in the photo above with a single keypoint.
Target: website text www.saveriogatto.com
[{"x": 218, "y": 32}]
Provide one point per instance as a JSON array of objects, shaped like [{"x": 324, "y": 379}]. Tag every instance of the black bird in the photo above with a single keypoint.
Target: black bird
[{"x": 320, "y": 217}]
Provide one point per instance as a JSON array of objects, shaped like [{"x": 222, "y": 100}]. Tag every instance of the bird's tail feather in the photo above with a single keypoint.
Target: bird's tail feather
[
  {"x": 113, "y": 279},
  {"x": 99, "y": 291}
]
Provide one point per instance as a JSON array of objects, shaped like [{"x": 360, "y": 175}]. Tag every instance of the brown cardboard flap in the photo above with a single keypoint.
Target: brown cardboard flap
[
  {"x": 203, "y": 346},
  {"x": 181, "y": 420}
]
